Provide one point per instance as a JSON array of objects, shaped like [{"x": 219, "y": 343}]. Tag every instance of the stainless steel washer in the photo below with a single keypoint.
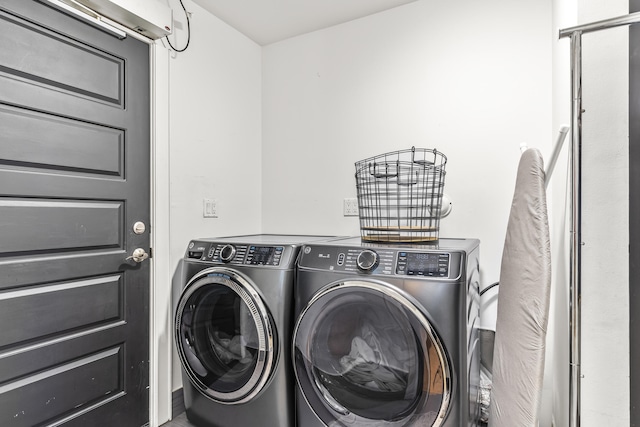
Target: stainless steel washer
[
  {"x": 386, "y": 335},
  {"x": 233, "y": 323}
]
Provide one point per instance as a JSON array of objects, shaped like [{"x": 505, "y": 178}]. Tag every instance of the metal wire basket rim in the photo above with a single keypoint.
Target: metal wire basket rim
[{"x": 411, "y": 150}]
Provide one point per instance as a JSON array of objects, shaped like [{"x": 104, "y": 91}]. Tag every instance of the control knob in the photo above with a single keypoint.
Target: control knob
[
  {"x": 227, "y": 253},
  {"x": 367, "y": 260}
]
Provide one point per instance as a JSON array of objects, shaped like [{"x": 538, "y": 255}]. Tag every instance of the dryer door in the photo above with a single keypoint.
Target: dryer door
[
  {"x": 225, "y": 336},
  {"x": 366, "y": 355}
]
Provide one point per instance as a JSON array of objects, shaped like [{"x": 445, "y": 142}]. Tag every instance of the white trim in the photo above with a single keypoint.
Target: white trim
[
  {"x": 160, "y": 336},
  {"x": 160, "y": 398}
]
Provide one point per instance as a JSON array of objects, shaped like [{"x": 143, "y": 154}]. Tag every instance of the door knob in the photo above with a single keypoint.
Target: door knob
[{"x": 138, "y": 255}]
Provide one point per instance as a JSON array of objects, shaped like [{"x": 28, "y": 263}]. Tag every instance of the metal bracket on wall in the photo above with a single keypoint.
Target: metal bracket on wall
[{"x": 85, "y": 14}]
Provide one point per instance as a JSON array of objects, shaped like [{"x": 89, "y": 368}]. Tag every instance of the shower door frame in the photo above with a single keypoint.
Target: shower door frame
[{"x": 575, "y": 293}]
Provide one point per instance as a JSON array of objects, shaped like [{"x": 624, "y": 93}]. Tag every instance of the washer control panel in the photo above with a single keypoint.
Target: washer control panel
[
  {"x": 377, "y": 260},
  {"x": 236, "y": 254}
]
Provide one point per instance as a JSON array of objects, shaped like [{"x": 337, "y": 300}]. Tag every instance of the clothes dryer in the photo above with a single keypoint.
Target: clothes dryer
[
  {"x": 387, "y": 335},
  {"x": 233, "y": 323}
]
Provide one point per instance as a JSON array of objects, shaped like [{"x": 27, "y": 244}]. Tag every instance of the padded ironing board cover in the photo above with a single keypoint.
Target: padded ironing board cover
[{"x": 523, "y": 302}]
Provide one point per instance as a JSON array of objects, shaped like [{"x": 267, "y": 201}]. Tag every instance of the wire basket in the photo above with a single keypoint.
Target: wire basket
[{"x": 400, "y": 195}]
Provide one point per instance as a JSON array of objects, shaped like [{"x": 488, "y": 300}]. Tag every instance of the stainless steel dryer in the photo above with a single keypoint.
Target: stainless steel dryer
[
  {"x": 233, "y": 323},
  {"x": 386, "y": 335}
]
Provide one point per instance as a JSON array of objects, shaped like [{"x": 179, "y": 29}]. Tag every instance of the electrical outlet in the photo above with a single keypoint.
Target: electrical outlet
[
  {"x": 350, "y": 207},
  {"x": 210, "y": 208}
]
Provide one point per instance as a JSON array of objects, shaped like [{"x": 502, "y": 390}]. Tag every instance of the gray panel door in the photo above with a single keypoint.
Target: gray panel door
[{"x": 74, "y": 178}]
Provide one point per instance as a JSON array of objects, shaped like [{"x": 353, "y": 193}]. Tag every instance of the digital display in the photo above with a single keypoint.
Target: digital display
[
  {"x": 264, "y": 255},
  {"x": 261, "y": 255},
  {"x": 423, "y": 264}
]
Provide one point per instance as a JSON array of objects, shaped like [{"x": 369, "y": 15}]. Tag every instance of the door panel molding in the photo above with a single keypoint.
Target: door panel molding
[
  {"x": 41, "y": 396},
  {"x": 81, "y": 147},
  {"x": 46, "y": 60},
  {"x": 79, "y": 225},
  {"x": 66, "y": 308}
]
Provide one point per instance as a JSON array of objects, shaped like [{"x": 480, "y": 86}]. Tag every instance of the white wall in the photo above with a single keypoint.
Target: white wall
[
  {"x": 472, "y": 79},
  {"x": 215, "y": 134}
]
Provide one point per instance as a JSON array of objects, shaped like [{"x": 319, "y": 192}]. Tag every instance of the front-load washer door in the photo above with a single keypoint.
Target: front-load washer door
[
  {"x": 366, "y": 355},
  {"x": 224, "y": 336}
]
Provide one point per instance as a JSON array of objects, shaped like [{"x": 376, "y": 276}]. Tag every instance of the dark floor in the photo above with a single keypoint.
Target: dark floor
[
  {"x": 179, "y": 421},
  {"x": 182, "y": 421}
]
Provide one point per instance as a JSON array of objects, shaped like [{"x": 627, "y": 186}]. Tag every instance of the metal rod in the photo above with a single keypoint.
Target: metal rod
[
  {"x": 632, "y": 18},
  {"x": 576, "y": 229},
  {"x": 562, "y": 135}
]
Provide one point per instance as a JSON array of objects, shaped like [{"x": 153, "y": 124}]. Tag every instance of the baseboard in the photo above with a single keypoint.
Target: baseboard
[{"x": 177, "y": 403}]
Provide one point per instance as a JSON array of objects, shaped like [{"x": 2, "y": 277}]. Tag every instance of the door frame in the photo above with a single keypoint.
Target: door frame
[
  {"x": 160, "y": 316},
  {"x": 634, "y": 213}
]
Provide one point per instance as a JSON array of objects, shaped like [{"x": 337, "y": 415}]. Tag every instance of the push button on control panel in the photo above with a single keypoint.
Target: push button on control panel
[
  {"x": 402, "y": 263},
  {"x": 277, "y": 256}
]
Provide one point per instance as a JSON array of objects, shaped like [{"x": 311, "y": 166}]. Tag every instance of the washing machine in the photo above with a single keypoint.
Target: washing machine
[
  {"x": 233, "y": 323},
  {"x": 387, "y": 335}
]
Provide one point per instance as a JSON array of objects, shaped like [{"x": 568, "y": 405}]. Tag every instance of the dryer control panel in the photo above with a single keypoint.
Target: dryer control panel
[{"x": 236, "y": 254}]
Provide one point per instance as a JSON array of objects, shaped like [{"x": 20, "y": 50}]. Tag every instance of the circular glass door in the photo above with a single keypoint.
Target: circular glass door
[
  {"x": 365, "y": 355},
  {"x": 224, "y": 335}
]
